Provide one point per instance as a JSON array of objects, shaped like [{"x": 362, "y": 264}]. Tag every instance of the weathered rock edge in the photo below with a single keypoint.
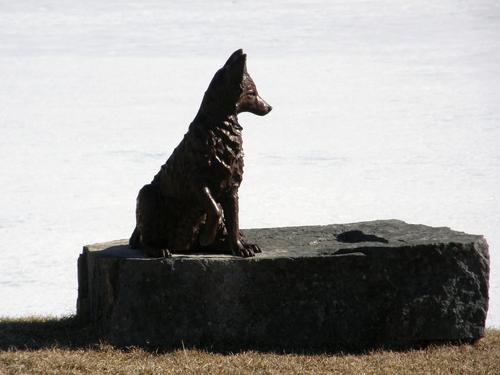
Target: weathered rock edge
[{"x": 387, "y": 284}]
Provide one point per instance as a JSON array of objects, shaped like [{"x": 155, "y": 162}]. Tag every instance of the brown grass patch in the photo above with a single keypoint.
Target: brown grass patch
[{"x": 60, "y": 346}]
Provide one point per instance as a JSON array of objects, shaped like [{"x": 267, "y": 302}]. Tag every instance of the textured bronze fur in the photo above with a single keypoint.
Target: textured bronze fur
[{"x": 192, "y": 203}]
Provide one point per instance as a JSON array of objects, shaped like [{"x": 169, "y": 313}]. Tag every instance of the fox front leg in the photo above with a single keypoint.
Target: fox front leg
[
  {"x": 236, "y": 245},
  {"x": 214, "y": 215}
]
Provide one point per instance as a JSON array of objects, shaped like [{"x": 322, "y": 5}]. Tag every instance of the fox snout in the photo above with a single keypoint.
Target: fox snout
[
  {"x": 262, "y": 108},
  {"x": 253, "y": 103}
]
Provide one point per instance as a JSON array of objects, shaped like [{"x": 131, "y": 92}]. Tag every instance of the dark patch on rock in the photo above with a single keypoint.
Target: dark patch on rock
[{"x": 355, "y": 236}]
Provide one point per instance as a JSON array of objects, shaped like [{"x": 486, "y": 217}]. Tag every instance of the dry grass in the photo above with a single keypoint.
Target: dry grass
[{"x": 59, "y": 346}]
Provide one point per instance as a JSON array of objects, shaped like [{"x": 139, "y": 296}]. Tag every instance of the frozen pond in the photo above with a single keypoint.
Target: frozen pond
[{"x": 382, "y": 110}]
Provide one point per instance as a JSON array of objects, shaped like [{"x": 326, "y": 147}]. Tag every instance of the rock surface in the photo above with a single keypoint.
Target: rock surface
[{"x": 349, "y": 286}]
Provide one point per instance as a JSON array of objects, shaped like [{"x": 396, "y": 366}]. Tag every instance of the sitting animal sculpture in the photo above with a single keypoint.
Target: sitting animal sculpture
[{"x": 192, "y": 203}]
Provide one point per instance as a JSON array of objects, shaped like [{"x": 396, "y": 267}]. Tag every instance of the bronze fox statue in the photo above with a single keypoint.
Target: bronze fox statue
[{"x": 192, "y": 203}]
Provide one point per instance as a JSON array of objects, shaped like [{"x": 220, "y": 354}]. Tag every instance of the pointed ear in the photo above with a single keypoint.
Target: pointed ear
[
  {"x": 235, "y": 56},
  {"x": 237, "y": 69}
]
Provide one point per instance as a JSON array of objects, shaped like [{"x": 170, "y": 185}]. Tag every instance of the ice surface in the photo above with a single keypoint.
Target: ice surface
[{"x": 382, "y": 110}]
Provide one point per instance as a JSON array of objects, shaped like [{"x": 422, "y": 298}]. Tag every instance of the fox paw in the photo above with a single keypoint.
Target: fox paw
[
  {"x": 165, "y": 253},
  {"x": 155, "y": 252},
  {"x": 245, "y": 250},
  {"x": 254, "y": 247}
]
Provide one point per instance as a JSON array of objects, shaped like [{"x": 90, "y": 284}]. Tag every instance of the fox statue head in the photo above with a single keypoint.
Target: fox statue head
[{"x": 233, "y": 91}]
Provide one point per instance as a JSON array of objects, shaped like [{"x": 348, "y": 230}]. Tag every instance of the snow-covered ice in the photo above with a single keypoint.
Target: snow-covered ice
[{"x": 382, "y": 109}]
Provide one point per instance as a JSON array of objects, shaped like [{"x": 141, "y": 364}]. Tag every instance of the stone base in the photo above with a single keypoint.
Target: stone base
[{"x": 362, "y": 285}]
